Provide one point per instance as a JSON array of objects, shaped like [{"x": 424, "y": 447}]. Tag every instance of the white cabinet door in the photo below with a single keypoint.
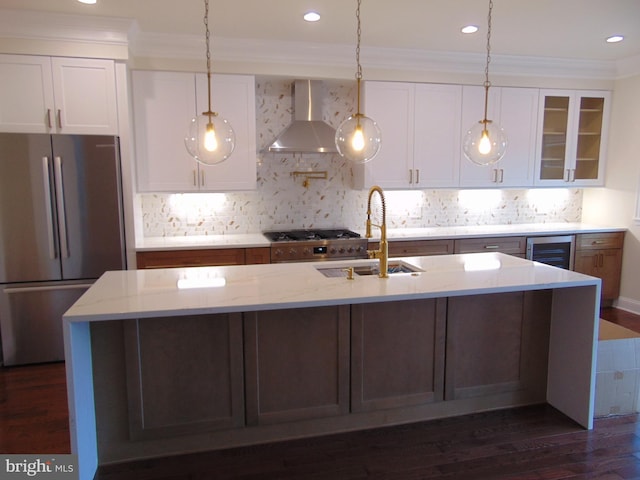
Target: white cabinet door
[
  {"x": 233, "y": 98},
  {"x": 572, "y": 134},
  {"x": 436, "y": 138},
  {"x": 85, "y": 96},
  {"x": 26, "y": 94},
  {"x": 163, "y": 105},
  {"x": 518, "y": 116},
  {"x": 57, "y": 95},
  {"x": 391, "y": 105},
  {"x": 515, "y": 110}
]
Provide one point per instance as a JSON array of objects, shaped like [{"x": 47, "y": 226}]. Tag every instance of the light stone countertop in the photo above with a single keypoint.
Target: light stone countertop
[
  {"x": 155, "y": 292},
  {"x": 431, "y": 233}
]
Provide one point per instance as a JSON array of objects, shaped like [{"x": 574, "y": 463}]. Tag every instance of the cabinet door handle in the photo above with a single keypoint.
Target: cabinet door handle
[
  {"x": 202, "y": 178},
  {"x": 567, "y": 175},
  {"x": 417, "y": 176},
  {"x": 49, "y": 118},
  {"x": 495, "y": 175},
  {"x": 602, "y": 259},
  {"x": 410, "y": 176},
  {"x": 195, "y": 182},
  {"x": 59, "y": 117},
  {"x": 573, "y": 174},
  {"x": 501, "y": 175}
]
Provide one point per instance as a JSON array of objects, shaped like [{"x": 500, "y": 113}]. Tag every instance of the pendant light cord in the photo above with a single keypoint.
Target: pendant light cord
[
  {"x": 487, "y": 83},
  {"x": 207, "y": 39},
  {"x": 359, "y": 67}
]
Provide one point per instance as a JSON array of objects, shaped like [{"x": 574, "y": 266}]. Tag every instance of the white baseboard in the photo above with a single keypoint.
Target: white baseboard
[{"x": 628, "y": 304}]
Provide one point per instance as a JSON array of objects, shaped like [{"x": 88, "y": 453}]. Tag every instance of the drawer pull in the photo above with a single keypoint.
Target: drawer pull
[{"x": 492, "y": 247}]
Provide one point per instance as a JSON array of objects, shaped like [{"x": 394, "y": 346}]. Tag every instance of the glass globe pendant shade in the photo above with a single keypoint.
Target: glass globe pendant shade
[
  {"x": 210, "y": 139},
  {"x": 485, "y": 143},
  {"x": 358, "y": 138}
]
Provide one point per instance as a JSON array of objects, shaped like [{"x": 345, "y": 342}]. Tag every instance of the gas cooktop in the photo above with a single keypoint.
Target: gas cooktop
[
  {"x": 316, "y": 244},
  {"x": 306, "y": 235}
]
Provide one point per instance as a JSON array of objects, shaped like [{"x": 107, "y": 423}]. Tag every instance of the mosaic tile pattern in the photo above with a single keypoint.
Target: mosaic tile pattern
[{"x": 281, "y": 201}]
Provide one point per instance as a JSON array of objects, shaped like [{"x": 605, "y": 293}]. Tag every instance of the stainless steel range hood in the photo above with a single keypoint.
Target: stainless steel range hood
[{"x": 307, "y": 133}]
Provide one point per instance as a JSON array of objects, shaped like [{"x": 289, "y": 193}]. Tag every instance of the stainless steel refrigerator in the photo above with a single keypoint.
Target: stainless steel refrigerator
[{"x": 61, "y": 227}]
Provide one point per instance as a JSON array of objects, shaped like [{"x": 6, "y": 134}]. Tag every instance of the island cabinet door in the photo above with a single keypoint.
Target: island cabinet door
[
  {"x": 297, "y": 364},
  {"x": 397, "y": 354},
  {"x": 498, "y": 344},
  {"x": 184, "y": 374}
]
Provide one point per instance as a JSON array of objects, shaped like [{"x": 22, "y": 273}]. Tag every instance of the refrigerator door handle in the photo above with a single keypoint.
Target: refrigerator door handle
[
  {"x": 62, "y": 219},
  {"x": 49, "y": 288},
  {"x": 47, "y": 199}
]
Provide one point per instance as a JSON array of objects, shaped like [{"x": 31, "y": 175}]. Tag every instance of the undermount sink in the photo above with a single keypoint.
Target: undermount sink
[{"x": 369, "y": 269}]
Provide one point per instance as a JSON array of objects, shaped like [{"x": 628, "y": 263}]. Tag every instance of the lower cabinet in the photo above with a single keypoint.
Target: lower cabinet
[
  {"x": 600, "y": 255},
  {"x": 202, "y": 257},
  {"x": 416, "y": 248},
  {"x": 516, "y": 246},
  {"x": 184, "y": 375},
  {"x": 316, "y": 366},
  {"x": 495, "y": 344},
  {"x": 397, "y": 354},
  {"x": 297, "y": 364}
]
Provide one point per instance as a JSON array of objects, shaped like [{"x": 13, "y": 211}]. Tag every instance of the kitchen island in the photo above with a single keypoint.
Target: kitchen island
[{"x": 169, "y": 361}]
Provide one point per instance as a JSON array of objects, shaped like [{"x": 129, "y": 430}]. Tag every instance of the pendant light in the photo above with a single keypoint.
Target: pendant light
[
  {"x": 486, "y": 142},
  {"x": 210, "y": 139},
  {"x": 358, "y": 137}
]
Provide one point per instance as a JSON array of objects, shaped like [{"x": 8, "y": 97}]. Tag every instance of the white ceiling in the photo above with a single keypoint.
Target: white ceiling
[{"x": 573, "y": 29}]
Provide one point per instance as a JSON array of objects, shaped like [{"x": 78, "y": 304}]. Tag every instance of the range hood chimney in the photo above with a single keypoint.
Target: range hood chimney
[{"x": 307, "y": 133}]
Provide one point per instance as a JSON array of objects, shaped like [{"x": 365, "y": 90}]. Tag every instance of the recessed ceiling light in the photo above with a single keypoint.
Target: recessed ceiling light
[
  {"x": 615, "y": 38},
  {"x": 312, "y": 16},
  {"x": 469, "y": 29}
]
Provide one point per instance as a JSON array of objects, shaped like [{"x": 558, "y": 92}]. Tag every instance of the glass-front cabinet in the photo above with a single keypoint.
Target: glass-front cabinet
[{"x": 572, "y": 133}]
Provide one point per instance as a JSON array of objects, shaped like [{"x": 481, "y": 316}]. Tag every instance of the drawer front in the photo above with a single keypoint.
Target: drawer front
[
  {"x": 510, "y": 245},
  {"x": 417, "y": 248},
  {"x": 190, "y": 258},
  {"x": 590, "y": 241}
]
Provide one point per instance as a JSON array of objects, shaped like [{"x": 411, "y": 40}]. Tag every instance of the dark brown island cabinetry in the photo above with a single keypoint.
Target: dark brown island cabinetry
[
  {"x": 274, "y": 374},
  {"x": 496, "y": 344},
  {"x": 397, "y": 354},
  {"x": 202, "y": 257},
  {"x": 297, "y": 364},
  {"x": 184, "y": 376},
  {"x": 600, "y": 255}
]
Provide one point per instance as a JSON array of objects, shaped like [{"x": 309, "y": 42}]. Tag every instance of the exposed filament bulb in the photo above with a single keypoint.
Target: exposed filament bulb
[
  {"x": 357, "y": 141},
  {"x": 210, "y": 140},
  {"x": 484, "y": 146}
]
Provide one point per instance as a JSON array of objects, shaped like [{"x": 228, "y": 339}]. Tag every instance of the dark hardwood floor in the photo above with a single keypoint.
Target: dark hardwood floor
[
  {"x": 34, "y": 416},
  {"x": 532, "y": 443},
  {"x": 622, "y": 318}
]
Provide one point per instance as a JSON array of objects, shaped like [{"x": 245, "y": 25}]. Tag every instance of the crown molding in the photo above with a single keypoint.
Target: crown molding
[
  {"x": 335, "y": 55},
  {"x": 34, "y": 25},
  {"x": 628, "y": 67},
  {"x": 123, "y": 32}
]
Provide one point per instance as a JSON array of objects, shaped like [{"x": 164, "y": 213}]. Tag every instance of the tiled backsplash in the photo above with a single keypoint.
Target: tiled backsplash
[{"x": 281, "y": 201}]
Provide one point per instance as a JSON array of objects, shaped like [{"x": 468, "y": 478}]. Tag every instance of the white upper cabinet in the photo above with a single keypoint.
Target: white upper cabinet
[
  {"x": 516, "y": 111},
  {"x": 57, "y": 95},
  {"x": 163, "y": 105},
  {"x": 233, "y": 97},
  {"x": 391, "y": 105},
  {"x": 420, "y": 125},
  {"x": 572, "y": 134}
]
